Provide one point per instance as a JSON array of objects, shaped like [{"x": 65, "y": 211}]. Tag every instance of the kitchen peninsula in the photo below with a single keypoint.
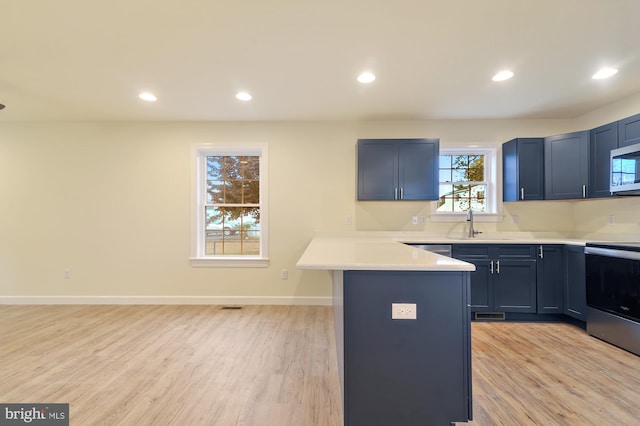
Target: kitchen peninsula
[{"x": 402, "y": 325}]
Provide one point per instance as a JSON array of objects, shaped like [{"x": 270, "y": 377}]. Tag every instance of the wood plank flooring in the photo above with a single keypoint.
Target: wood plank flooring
[{"x": 276, "y": 365}]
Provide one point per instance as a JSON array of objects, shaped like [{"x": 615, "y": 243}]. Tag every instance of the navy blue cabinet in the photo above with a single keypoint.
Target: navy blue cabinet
[
  {"x": 398, "y": 169},
  {"x": 504, "y": 279},
  {"x": 405, "y": 372},
  {"x": 575, "y": 283},
  {"x": 602, "y": 140},
  {"x": 523, "y": 169},
  {"x": 550, "y": 279},
  {"x": 629, "y": 131},
  {"x": 566, "y": 166}
]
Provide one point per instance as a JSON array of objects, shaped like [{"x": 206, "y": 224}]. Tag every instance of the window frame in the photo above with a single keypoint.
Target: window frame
[
  {"x": 490, "y": 175},
  {"x": 198, "y": 201}
]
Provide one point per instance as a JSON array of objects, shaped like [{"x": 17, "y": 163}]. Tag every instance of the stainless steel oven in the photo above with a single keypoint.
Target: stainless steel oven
[{"x": 613, "y": 293}]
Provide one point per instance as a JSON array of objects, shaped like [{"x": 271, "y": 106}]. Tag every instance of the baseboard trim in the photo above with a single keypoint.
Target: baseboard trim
[{"x": 164, "y": 300}]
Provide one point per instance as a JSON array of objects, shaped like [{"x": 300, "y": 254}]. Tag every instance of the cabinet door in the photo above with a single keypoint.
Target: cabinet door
[
  {"x": 481, "y": 286},
  {"x": 575, "y": 283},
  {"x": 629, "y": 131},
  {"x": 514, "y": 286},
  {"x": 418, "y": 169},
  {"x": 602, "y": 140},
  {"x": 550, "y": 279},
  {"x": 566, "y": 166},
  {"x": 523, "y": 169},
  {"x": 377, "y": 169}
]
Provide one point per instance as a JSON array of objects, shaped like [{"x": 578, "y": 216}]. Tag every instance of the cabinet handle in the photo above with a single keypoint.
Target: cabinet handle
[
  {"x": 541, "y": 253},
  {"x": 395, "y": 193},
  {"x": 497, "y": 266},
  {"x": 584, "y": 191},
  {"x": 401, "y": 193},
  {"x": 522, "y": 193},
  {"x": 491, "y": 266}
]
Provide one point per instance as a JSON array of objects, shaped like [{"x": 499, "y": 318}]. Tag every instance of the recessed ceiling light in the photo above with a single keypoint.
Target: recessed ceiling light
[
  {"x": 366, "y": 77},
  {"x": 149, "y": 97},
  {"x": 503, "y": 75},
  {"x": 244, "y": 96},
  {"x": 604, "y": 73}
]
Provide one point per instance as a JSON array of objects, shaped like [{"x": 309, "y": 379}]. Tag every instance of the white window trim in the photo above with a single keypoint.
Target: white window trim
[
  {"x": 198, "y": 154},
  {"x": 494, "y": 207}
]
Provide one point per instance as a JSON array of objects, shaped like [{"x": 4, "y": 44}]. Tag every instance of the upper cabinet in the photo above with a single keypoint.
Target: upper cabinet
[
  {"x": 629, "y": 131},
  {"x": 523, "y": 169},
  {"x": 398, "y": 169},
  {"x": 602, "y": 140},
  {"x": 566, "y": 166}
]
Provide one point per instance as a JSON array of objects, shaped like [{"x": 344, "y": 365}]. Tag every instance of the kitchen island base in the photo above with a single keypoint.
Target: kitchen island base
[{"x": 403, "y": 372}]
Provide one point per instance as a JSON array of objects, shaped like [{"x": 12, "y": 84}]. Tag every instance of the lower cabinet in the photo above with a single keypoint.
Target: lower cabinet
[
  {"x": 539, "y": 279},
  {"x": 550, "y": 279},
  {"x": 575, "y": 291},
  {"x": 504, "y": 279}
]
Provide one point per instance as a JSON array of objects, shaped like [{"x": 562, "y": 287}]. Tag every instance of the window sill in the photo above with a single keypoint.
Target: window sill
[
  {"x": 229, "y": 262},
  {"x": 462, "y": 217}
]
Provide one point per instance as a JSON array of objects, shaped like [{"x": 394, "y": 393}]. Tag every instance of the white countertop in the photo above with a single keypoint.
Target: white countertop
[
  {"x": 371, "y": 253},
  {"x": 386, "y": 251}
]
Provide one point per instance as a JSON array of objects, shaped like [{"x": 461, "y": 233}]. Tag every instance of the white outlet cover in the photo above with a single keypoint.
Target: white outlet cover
[{"x": 403, "y": 311}]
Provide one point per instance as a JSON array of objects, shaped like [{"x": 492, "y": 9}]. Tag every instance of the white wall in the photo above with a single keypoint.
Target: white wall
[{"x": 110, "y": 202}]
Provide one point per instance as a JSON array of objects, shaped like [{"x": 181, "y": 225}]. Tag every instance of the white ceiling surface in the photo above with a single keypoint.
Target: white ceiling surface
[{"x": 80, "y": 60}]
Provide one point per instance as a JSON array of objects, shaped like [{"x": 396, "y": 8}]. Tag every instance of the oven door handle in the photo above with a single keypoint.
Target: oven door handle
[{"x": 622, "y": 254}]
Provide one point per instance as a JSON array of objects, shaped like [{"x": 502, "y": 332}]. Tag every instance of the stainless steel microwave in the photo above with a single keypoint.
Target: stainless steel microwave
[{"x": 625, "y": 170}]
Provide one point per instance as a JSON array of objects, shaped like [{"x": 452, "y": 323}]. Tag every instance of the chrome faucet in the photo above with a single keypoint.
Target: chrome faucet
[{"x": 472, "y": 231}]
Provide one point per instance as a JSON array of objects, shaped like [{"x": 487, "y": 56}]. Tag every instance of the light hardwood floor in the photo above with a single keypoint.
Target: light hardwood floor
[{"x": 276, "y": 365}]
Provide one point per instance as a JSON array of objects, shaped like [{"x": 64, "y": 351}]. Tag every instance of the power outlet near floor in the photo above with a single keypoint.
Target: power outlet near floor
[{"x": 404, "y": 311}]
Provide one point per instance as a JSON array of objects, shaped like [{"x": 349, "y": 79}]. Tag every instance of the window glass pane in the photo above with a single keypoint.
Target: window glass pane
[
  {"x": 460, "y": 175},
  {"x": 251, "y": 192},
  {"x": 445, "y": 161},
  {"x": 445, "y": 175},
  {"x": 476, "y": 168},
  {"x": 460, "y": 161}
]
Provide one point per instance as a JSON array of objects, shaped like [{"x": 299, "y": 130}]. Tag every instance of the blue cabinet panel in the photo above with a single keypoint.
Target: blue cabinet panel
[
  {"x": 523, "y": 169},
  {"x": 398, "y": 169},
  {"x": 566, "y": 166},
  {"x": 629, "y": 131},
  {"x": 602, "y": 140},
  {"x": 406, "y": 372}
]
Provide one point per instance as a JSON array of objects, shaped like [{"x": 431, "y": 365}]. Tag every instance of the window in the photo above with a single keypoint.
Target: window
[
  {"x": 467, "y": 181},
  {"x": 230, "y": 208},
  {"x": 463, "y": 184}
]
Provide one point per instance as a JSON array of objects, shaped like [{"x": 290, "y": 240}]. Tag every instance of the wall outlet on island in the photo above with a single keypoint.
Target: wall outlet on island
[
  {"x": 414, "y": 220},
  {"x": 403, "y": 311}
]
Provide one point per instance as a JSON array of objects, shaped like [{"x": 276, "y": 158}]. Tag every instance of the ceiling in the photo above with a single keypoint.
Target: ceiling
[{"x": 79, "y": 60}]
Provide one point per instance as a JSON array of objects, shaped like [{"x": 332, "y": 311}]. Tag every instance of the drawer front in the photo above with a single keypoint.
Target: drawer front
[
  {"x": 513, "y": 251},
  {"x": 475, "y": 251}
]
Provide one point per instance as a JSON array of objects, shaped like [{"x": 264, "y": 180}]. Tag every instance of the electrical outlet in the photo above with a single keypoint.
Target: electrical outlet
[
  {"x": 403, "y": 311},
  {"x": 348, "y": 219},
  {"x": 423, "y": 219},
  {"x": 415, "y": 220},
  {"x": 612, "y": 219},
  {"x": 514, "y": 219},
  {"x": 66, "y": 274},
  {"x": 284, "y": 274}
]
